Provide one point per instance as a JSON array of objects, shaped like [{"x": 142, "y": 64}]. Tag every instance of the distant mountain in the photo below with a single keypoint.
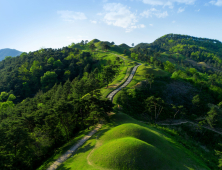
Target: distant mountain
[{"x": 8, "y": 52}]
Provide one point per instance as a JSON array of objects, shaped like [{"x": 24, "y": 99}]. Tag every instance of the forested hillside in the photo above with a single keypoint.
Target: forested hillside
[
  {"x": 47, "y": 97},
  {"x": 197, "y": 49},
  {"x": 191, "y": 91},
  {"x": 50, "y": 96}
]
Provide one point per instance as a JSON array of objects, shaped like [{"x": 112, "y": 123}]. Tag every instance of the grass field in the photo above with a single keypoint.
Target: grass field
[{"x": 126, "y": 143}]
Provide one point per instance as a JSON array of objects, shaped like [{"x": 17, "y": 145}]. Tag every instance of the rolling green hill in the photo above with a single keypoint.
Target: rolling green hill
[
  {"x": 50, "y": 98},
  {"x": 192, "y": 48},
  {"x": 128, "y": 144}
]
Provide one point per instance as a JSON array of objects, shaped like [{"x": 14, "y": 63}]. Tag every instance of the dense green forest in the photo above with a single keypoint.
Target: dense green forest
[
  {"x": 48, "y": 96},
  {"x": 197, "y": 49}
]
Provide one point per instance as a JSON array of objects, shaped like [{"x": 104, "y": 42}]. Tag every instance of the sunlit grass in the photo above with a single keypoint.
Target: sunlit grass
[{"x": 126, "y": 143}]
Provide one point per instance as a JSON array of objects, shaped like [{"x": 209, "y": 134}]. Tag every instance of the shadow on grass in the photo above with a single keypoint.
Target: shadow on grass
[
  {"x": 62, "y": 167},
  {"x": 83, "y": 149}
]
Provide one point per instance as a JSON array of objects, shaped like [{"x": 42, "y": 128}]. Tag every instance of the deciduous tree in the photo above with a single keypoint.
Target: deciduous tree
[{"x": 152, "y": 105}]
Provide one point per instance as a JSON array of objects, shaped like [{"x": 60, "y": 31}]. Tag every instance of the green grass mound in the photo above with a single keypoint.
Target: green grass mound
[
  {"x": 136, "y": 131},
  {"x": 130, "y": 153},
  {"x": 132, "y": 146},
  {"x": 127, "y": 144},
  {"x": 142, "y": 133}
]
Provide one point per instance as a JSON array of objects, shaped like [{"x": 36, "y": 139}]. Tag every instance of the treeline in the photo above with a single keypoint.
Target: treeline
[
  {"x": 31, "y": 130},
  {"x": 46, "y": 98},
  {"x": 198, "y": 49},
  {"x": 167, "y": 41},
  {"x": 28, "y": 73},
  {"x": 210, "y": 81},
  {"x": 158, "y": 102},
  {"x": 147, "y": 55}
]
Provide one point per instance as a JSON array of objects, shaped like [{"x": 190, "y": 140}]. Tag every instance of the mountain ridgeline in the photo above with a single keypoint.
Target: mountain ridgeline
[
  {"x": 49, "y": 98},
  {"x": 8, "y": 53},
  {"x": 204, "y": 50}
]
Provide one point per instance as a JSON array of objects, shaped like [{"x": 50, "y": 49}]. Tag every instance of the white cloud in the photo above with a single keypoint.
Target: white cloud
[
  {"x": 104, "y": 0},
  {"x": 94, "y": 22},
  {"x": 180, "y": 10},
  {"x": 162, "y": 15},
  {"x": 150, "y": 12},
  {"x": 198, "y": 10},
  {"x": 151, "y": 25},
  {"x": 119, "y": 15},
  {"x": 217, "y": 3},
  {"x": 173, "y": 22},
  {"x": 169, "y": 3},
  {"x": 141, "y": 26},
  {"x": 71, "y": 15}
]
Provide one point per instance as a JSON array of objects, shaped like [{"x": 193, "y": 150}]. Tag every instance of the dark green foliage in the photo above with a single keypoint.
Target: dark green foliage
[
  {"x": 109, "y": 73},
  {"x": 35, "y": 127},
  {"x": 28, "y": 73},
  {"x": 66, "y": 100},
  {"x": 154, "y": 107},
  {"x": 56, "y": 93},
  {"x": 194, "y": 103},
  {"x": 219, "y": 153}
]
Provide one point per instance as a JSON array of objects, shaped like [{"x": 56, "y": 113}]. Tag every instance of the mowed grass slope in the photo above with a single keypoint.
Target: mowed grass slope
[{"x": 126, "y": 144}]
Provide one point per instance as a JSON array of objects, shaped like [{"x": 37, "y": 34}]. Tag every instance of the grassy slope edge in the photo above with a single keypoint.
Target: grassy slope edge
[{"x": 125, "y": 143}]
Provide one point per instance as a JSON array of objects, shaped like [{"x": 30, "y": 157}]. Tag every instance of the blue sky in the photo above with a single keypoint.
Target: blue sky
[{"x": 28, "y": 25}]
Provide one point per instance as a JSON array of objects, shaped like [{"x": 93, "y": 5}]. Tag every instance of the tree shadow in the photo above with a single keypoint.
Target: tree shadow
[
  {"x": 62, "y": 167},
  {"x": 101, "y": 133},
  {"x": 83, "y": 149}
]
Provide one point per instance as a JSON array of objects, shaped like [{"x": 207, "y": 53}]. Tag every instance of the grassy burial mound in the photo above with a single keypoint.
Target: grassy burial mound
[
  {"x": 132, "y": 146},
  {"x": 129, "y": 153},
  {"x": 127, "y": 144}
]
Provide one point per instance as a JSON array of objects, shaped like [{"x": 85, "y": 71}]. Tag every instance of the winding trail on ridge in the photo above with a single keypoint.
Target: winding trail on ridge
[
  {"x": 70, "y": 152},
  {"x": 129, "y": 79}
]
